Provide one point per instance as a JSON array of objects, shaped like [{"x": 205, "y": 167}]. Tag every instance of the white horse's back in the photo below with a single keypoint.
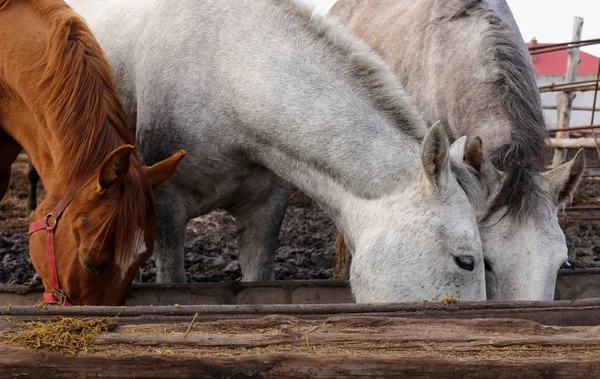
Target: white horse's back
[{"x": 257, "y": 91}]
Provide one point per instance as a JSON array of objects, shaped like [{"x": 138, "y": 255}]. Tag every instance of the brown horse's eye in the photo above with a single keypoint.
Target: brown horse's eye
[
  {"x": 88, "y": 264},
  {"x": 85, "y": 222}
]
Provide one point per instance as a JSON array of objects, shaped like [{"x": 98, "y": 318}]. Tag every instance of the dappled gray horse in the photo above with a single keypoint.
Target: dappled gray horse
[
  {"x": 258, "y": 94},
  {"x": 464, "y": 62}
]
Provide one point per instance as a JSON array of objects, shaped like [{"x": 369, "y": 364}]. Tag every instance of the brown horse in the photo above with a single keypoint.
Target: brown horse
[{"x": 58, "y": 101}]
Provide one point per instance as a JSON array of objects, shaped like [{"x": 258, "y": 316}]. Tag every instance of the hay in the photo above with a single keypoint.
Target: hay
[
  {"x": 191, "y": 324},
  {"x": 68, "y": 335},
  {"x": 449, "y": 300}
]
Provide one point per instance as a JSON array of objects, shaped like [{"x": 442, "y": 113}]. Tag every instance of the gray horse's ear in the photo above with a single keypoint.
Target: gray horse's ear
[
  {"x": 457, "y": 149},
  {"x": 446, "y": 9},
  {"x": 470, "y": 153},
  {"x": 164, "y": 170},
  {"x": 434, "y": 156},
  {"x": 565, "y": 178},
  {"x": 474, "y": 154}
]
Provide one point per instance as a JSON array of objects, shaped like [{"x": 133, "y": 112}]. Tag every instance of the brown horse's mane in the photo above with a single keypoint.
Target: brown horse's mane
[
  {"x": 79, "y": 88},
  {"x": 80, "y": 101}
]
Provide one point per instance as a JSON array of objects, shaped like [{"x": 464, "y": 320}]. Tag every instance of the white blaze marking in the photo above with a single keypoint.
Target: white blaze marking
[
  {"x": 140, "y": 242},
  {"x": 139, "y": 247}
]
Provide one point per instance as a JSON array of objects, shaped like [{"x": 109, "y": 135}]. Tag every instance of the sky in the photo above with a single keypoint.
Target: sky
[{"x": 550, "y": 21}]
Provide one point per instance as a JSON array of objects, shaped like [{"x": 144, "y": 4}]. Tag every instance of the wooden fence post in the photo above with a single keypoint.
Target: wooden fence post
[{"x": 566, "y": 98}]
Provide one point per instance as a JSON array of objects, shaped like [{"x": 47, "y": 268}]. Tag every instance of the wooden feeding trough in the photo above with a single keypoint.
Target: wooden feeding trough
[
  {"x": 301, "y": 329},
  {"x": 572, "y": 284},
  {"x": 483, "y": 340}
]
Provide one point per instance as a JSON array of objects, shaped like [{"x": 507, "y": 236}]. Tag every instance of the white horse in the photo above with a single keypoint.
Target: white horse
[
  {"x": 464, "y": 62},
  {"x": 258, "y": 93}
]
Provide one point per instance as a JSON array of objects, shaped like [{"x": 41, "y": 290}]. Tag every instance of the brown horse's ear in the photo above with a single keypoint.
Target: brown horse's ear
[
  {"x": 164, "y": 170},
  {"x": 115, "y": 167}
]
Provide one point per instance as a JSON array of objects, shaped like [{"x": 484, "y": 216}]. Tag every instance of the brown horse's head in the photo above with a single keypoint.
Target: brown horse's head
[
  {"x": 105, "y": 233},
  {"x": 63, "y": 108}
]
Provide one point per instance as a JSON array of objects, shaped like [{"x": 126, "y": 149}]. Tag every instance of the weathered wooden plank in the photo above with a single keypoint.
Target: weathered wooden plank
[
  {"x": 278, "y": 292},
  {"x": 580, "y": 312},
  {"x": 294, "y": 338},
  {"x": 571, "y": 284},
  {"x": 404, "y": 333},
  {"x": 5, "y": 327},
  {"x": 571, "y": 143},
  {"x": 377, "y": 347},
  {"x": 18, "y": 363}
]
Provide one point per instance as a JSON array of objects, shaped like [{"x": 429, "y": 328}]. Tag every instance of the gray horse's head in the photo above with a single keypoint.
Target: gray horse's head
[
  {"x": 430, "y": 247},
  {"x": 523, "y": 243},
  {"x": 464, "y": 62}
]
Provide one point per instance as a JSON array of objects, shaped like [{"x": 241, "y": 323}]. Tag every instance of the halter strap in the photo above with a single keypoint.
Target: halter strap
[{"x": 57, "y": 296}]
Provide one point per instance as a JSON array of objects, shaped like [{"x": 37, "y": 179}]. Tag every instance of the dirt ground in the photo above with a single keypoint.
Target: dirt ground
[{"x": 306, "y": 239}]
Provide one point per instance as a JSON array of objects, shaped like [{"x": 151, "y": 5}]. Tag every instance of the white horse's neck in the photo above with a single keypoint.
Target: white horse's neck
[
  {"x": 351, "y": 169},
  {"x": 338, "y": 126},
  {"x": 459, "y": 51},
  {"x": 327, "y": 133}
]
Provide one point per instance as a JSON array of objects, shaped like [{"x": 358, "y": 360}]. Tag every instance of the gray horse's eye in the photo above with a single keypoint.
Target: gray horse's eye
[{"x": 466, "y": 262}]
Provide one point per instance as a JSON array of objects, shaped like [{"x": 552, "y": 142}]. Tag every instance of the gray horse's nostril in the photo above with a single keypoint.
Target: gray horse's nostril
[
  {"x": 566, "y": 265},
  {"x": 487, "y": 265},
  {"x": 466, "y": 262}
]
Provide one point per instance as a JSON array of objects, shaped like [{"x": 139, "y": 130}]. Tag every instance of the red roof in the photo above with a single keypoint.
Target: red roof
[{"x": 555, "y": 63}]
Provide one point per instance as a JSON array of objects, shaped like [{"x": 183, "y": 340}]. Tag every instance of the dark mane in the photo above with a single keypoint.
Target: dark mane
[
  {"x": 369, "y": 70},
  {"x": 79, "y": 99},
  {"x": 514, "y": 84},
  {"x": 520, "y": 193}
]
